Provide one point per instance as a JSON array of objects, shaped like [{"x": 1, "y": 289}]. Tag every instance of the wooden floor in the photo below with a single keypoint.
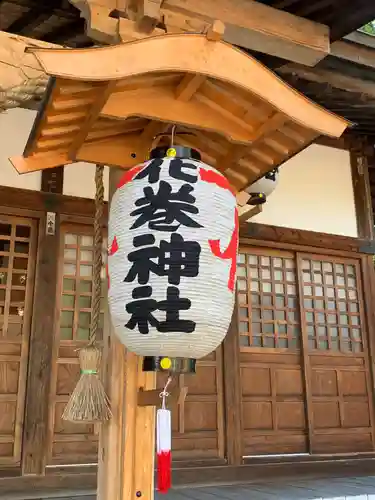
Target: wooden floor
[{"x": 350, "y": 488}]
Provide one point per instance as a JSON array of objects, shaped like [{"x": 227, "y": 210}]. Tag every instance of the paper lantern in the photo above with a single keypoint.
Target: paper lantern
[
  {"x": 261, "y": 189},
  {"x": 173, "y": 243}
]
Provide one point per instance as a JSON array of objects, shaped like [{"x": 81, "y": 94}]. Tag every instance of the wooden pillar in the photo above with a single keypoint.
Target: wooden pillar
[
  {"x": 233, "y": 393},
  {"x": 127, "y": 442},
  {"x": 110, "y": 450},
  {"x": 42, "y": 332},
  {"x": 362, "y": 158}
]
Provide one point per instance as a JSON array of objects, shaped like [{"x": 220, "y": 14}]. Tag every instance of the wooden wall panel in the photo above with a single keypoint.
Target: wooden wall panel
[
  {"x": 17, "y": 267},
  {"x": 198, "y": 423},
  {"x": 273, "y": 409}
]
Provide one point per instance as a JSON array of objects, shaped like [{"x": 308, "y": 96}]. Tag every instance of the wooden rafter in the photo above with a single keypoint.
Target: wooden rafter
[
  {"x": 241, "y": 117},
  {"x": 333, "y": 78}
]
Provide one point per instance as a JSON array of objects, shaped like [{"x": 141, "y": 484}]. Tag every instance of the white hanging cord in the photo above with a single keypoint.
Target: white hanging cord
[{"x": 164, "y": 393}]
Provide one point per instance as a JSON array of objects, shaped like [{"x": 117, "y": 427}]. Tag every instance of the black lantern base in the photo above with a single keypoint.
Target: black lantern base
[
  {"x": 175, "y": 152},
  {"x": 167, "y": 364},
  {"x": 257, "y": 199}
]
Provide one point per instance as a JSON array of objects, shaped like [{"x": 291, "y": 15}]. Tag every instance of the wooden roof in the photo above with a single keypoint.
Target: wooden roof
[{"x": 243, "y": 118}]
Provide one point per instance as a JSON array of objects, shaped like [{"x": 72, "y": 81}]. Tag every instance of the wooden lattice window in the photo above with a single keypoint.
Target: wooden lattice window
[
  {"x": 268, "y": 300},
  {"x": 331, "y": 305},
  {"x": 17, "y": 267},
  {"x": 15, "y": 248},
  {"x": 77, "y": 289}
]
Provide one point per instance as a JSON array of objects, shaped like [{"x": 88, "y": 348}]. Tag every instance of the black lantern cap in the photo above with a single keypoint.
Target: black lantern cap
[
  {"x": 167, "y": 364},
  {"x": 175, "y": 152}
]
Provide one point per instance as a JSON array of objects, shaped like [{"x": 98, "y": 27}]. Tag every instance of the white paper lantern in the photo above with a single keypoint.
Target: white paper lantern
[
  {"x": 173, "y": 243},
  {"x": 266, "y": 185}
]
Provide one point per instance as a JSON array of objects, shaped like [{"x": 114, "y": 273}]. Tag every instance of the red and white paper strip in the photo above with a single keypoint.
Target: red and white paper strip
[{"x": 163, "y": 449}]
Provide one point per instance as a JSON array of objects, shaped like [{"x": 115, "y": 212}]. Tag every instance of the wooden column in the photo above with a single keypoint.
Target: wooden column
[
  {"x": 42, "y": 332},
  {"x": 127, "y": 442},
  {"x": 110, "y": 442},
  {"x": 233, "y": 393},
  {"x": 362, "y": 160}
]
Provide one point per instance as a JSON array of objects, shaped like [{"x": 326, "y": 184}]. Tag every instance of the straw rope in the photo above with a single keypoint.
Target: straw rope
[
  {"x": 98, "y": 247},
  {"x": 89, "y": 402},
  {"x": 20, "y": 94}
]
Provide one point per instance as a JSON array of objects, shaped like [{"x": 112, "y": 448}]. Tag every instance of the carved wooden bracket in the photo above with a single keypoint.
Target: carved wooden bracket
[
  {"x": 249, "y": 23},
  {"x": 148, "y": 14},
  {"x": 99, "y": 25},
  {"x": 177, "y": 396}
]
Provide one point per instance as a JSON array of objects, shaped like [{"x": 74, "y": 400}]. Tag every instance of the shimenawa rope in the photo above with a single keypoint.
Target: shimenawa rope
[{"x": 89, "y": 402}]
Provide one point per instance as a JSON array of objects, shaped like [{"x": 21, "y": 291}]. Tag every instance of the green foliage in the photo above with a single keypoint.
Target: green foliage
[{"x": 368, "y": 28}]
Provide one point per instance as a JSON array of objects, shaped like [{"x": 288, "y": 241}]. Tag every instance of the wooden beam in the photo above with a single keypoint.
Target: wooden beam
[
  {"x": 113, "y": 151},
  {"x": 248, "y": 24},
  {"x": 337, "y": 80},
  {"x": 103, "y": 93},
  {"x": 255, "y": 26},
  {"x": 361, "y": 155},
  {"x": 287, "y": 238},
  {"x": 139, "y": 433},
  {"x": 189, "y": 86},
  {"x": 53, "y": 180},
  {"x": 354, "y": 52},
  {"x": 39, "y": 162},
  {"x": 127, "y": 441},
  {"x": 330, "y": 142},
  {"x": 233, "y": 393},
  {"x": 36, "y": 202},
  {"x": 360, "y": 38},
  {"x": 110, "y": 474},
  {"x": 157, "y": 104},
  {"x": 36, "y": 425}
]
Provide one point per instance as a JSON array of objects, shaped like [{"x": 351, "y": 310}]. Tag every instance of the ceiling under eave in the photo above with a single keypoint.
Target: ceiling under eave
[{"x": 342, "y": 16}]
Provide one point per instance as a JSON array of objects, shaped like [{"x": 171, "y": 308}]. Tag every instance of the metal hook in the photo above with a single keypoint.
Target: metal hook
[
  {"x": 164, "y": 394},
  {"x": 172, "y": 135}
]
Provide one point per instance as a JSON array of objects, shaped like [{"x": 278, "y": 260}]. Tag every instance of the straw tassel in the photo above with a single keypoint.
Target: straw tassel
[
  {"x": 89, "y": 402},
  {"x": 164, "y": 456}
]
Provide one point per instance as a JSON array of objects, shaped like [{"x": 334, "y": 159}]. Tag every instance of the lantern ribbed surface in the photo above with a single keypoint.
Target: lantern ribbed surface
[{"x": 173, "y": 243}]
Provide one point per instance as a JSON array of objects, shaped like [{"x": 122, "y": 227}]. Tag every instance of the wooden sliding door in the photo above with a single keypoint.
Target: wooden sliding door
[
  {"x": 304, "y": 355},
  {"x": 273, "y": 396},
  {"x": 17, "y": 268},
  {"x": 337, "y": 357}
]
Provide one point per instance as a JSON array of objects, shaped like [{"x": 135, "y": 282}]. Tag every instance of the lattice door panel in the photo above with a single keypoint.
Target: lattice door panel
[
  {"x": 72, "y": 443},
  {"x": 17, "y": 264},
  {"x": 340, "y": 395},
  {"x": 273, "y": 393},
  {"x": 268, "y": 300}
]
